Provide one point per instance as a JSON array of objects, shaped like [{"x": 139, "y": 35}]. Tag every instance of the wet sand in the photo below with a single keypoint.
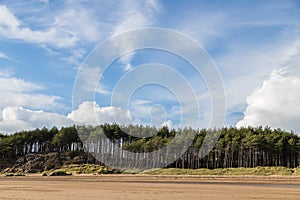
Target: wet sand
[{"x": 149, "y": 187}]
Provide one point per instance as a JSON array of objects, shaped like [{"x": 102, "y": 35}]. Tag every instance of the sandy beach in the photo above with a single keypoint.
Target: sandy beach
[{"x": 149, "y": 187}]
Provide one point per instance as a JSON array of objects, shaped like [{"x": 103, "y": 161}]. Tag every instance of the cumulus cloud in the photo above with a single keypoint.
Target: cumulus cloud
[
  {"x": 91, "y": 113},
  {"x": 277, "y": 102},
  {"x": 15, "y": 119},
  {"x": 18, "y": 118}
]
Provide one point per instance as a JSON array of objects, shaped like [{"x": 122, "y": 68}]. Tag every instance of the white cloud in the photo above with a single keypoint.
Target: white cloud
[
  {"x": 17, "y": 119},
  {"x": 244, "y": 68},
  {"x": 4, "y": 56},
  {"x": 91, "y": 113},
  {"x": 75, "y": 57},
  {"x": 11, "y": 27},
  {"x": 18, "y": 92},
  {"x": 277, "y": 102},
  {"x": 12, "y": 84},
  {"x": 74, "y": 24},
  {"x": 37, "y": 101},
  {"x": 78, "y": 21},
  {"x": 8, "y": 20}
]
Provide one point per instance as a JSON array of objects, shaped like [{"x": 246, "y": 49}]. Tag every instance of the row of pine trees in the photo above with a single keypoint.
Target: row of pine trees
[{"x": 137, "y": 146}]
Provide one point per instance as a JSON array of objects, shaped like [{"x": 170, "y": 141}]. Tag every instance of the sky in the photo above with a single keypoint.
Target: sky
[{"x": 44, "y": 45}]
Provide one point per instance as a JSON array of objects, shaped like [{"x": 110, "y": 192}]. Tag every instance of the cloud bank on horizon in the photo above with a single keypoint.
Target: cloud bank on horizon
[{"x": 256, "y": 46}]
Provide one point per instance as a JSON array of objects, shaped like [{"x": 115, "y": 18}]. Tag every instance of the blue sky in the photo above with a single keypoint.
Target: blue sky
[{"x": 254, "y": 44}]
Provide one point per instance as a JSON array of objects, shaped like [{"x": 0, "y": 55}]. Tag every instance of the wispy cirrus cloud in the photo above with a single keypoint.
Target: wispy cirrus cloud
[
  {"x": 73, "y": 24},
  {"x": 18, "y": 92},
  {"x": 4, "y": 56},
  {"x": 12, "y": 28}
]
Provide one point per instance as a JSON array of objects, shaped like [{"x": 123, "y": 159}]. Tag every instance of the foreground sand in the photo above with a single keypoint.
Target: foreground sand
[{"x": 149, "y": 187}]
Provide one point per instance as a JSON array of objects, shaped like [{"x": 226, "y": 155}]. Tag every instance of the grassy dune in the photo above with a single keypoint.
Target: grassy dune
[
  {"x": 257, "y": 171},
  {"x": 97, "y": 169}
]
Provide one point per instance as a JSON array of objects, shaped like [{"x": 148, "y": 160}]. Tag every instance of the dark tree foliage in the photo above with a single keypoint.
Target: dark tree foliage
[{"x": 243, "y": 147}]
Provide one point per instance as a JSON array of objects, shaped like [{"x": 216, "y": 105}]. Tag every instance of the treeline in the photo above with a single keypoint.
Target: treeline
[
  {"x": 39, "y": 141},
  {"x": 140, "y": 146}
]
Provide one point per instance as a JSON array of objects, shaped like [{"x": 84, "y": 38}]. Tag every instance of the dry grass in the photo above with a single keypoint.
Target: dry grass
[{"x": 257, "y": 171}]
